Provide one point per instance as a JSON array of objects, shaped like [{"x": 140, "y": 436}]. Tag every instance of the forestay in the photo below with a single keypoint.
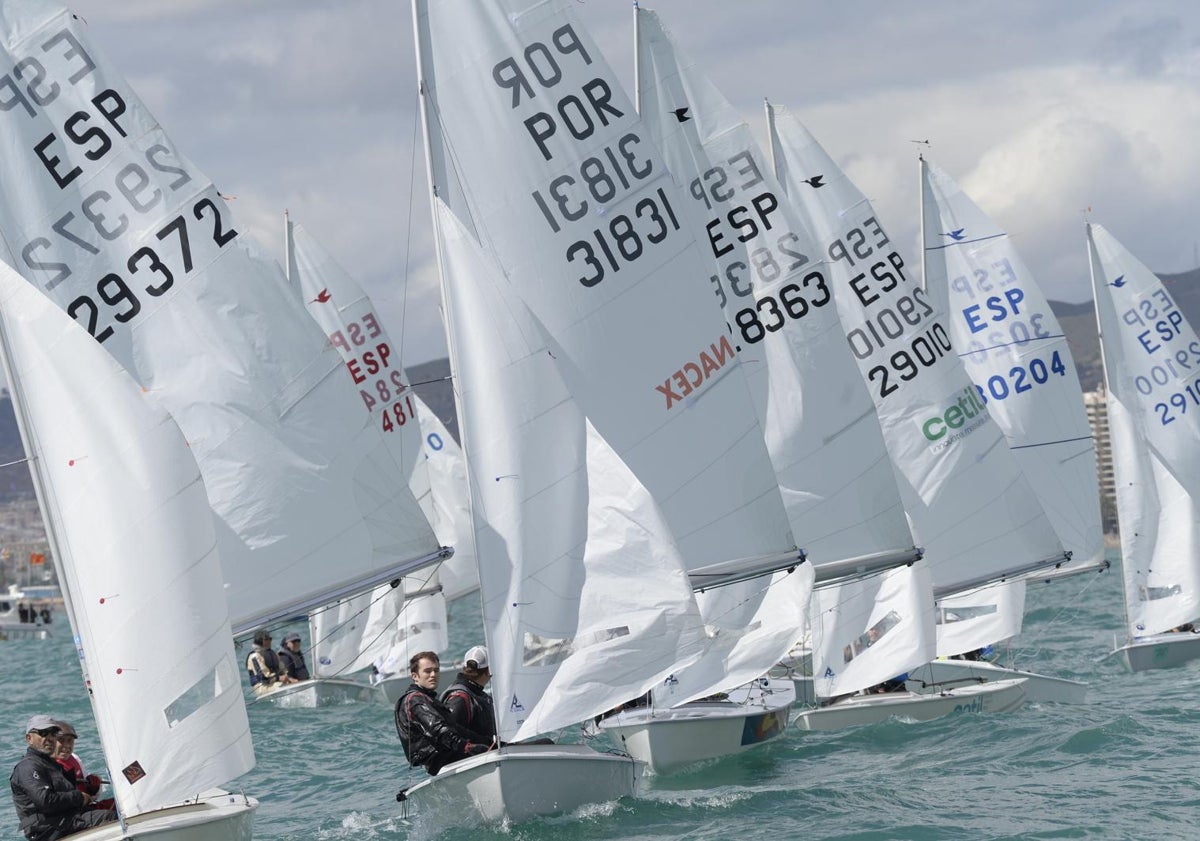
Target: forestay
[
  {"x": 971, "y": 508},
  {"x": 541, "y": 155},
  {"x": 586, "y": 603},
  {"x": 135, "y": 548},
  {"x": 1015, "y": 352},
  {"x": 1150, "y": 352},
  {"x": 103, "y": 214}
]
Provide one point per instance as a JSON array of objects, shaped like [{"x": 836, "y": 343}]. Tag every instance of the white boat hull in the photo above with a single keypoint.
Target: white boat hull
[
  {"x": 214, "y": 816},
  {"x": 1161, "y": 651},
  {"x": 669, "y": 739},
  {"x": 389, "y": 689},
  {"x": 993, "y": 697},
  {"x": 318, "y": 692},
  {"x": 519, "y": 782},
  {"x": 17, "y": 630},
  {"x": 1039, "y": 689}
]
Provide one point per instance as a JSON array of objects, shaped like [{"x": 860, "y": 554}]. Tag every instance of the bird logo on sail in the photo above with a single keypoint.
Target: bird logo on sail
[
  {"x": 1119, "y": 282},
  {"x": 323, "y": 297},
  {"x": 956, "y": 235},
  {"x": 828, "y": 671},
  {"x": 681, "y": 114},
  {"x": 816, "y": 182},
  {"x": 516, "y": 705}
]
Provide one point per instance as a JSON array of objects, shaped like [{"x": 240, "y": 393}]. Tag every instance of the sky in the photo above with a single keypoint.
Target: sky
[{"x": 1040, "y": 110}]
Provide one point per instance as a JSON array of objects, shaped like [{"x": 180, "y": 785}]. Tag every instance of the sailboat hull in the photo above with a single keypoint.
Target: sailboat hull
[
  {"x": 390, "y": 689},
  {"x": 520, "y": 782},
  {"x": 1039, "y": 689},
  {"x": 318, "y": 692},
  {"x": 214, "y": 816},
  {"x": 1161, "y": 651},
  {"x": 670, "y": 739},
  {"x": 994, "y": 697}
]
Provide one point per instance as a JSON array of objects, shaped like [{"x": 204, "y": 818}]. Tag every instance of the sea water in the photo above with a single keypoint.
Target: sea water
[{"x": 1125, "y": 765}]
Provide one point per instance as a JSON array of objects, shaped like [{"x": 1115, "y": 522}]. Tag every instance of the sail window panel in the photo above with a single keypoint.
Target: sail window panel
[
  {"x": 946, "y": 615},
  {"x": 549, "y": 651},
  {"x": 214, "y": 683},
  {"x": 871, "y": 636},
  {"x": 1147, "y": 593}
]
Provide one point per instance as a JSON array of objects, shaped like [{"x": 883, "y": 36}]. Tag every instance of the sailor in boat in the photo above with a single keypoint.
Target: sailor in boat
[
  {"x": 48, "y": 805},
  {"x": 430, "y": 736},
  {"x": 71, "y": 765},
  {"x": 263, "y": 665},
  {"x": 469, "y": 705},
  {"x": 292, "y": 658}
]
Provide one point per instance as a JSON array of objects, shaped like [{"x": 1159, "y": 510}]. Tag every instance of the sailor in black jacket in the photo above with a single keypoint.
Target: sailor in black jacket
[
  {"x": 429, "y": 735},
  {"x": 48, "y": 804},
  {"x": 470, "y": 707}
]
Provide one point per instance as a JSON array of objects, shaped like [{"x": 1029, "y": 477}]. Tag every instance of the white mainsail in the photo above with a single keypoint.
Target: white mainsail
[
  {"x": 770, "y": 283},
  {"x": 585, "y": 599},
  {"x": 1015, "y": 352},
  {"x": 356, "y": 633},
  {"x": 971, "y": 508},
  {"x": 104, "y": 215},
  {"x": 584, "y": 218},
  {"x": 135, "y": 547},
  {"x": 1150, "y": 354}
]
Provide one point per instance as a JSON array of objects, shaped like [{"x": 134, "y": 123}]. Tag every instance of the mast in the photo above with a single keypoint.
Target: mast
[
  {"x": 637, "y": 62},
  {"x": 921, "y": 214}
]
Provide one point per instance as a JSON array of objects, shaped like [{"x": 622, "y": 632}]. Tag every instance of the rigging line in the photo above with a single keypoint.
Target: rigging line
[
  {"x": 1021, "y": 343},
  {"x": 396, "y": 582},
  {"x": 1051, "y": 443},
  {"x": 15, "y": 463},
  {"x": 1028, "y": 652}
]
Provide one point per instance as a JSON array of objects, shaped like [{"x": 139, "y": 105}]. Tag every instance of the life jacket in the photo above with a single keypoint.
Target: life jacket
[
  {"x": 471, "y": 707},
  {"x": 262, "y": 665},
  {"x": 293, "y": 664}
]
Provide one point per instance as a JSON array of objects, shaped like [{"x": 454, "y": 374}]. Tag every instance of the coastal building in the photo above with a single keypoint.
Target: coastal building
[{"x": 1096, "y": 403}]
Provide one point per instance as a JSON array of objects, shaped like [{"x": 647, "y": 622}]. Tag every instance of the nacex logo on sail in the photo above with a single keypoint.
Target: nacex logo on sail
[{"x": 692, "y": 375}]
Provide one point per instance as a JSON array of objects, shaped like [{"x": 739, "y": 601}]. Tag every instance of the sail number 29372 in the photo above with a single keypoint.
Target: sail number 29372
[{"x": 122, "y": 297}]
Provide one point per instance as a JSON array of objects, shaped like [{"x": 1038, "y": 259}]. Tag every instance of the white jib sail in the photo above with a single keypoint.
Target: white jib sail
[
  {"x": 135, "y": 547},
  {"x": 118, "y": 228},
  {"x": 585, "y": 599},
  {"x": 970, "y": 507},
  {"x": 868, "y": 631},
  {"x": 1015, "y": 352},
  {"x": 772, "y": 286},
  {"x": 447, "y": 505},
  {"x": 1151, "y": 355},
  {"x": 564, "y": 184},
  {"x": 354, "y": 633}
]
